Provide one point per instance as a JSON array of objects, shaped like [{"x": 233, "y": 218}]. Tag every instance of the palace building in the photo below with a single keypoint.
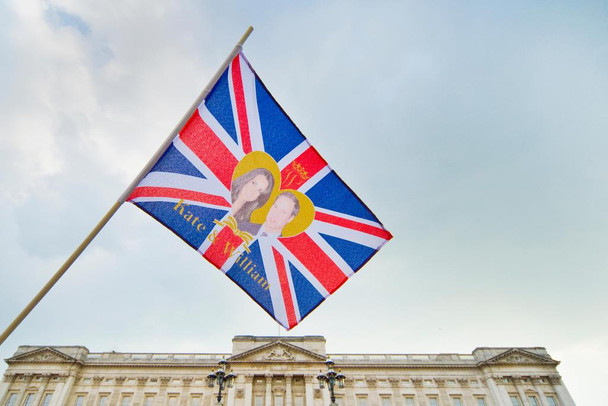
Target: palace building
[{"x": 281, "y": 371}]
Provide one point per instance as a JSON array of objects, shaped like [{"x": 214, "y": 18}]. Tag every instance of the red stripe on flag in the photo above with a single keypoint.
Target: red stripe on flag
[
  {"x": 201, "y": 139},
  {"x": 160, "y": 192},
  {"x": 353, "y": 225},
  {"x": 241, "y": 106},
  {"x": 320, "y": 265},
  {"x": 304, "y": 167},
  {"x": 291, "y": 313}
]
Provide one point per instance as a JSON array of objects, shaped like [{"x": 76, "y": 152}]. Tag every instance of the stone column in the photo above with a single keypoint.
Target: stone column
[
  {"x": 397, "y": 398},
  {"x": 249, "y": 390},
  {"x": 27, "y": 378},
  {"x": 309, "y": 389},
  {"x": 45, "y": 381},
  {"x": 418, "y": 382},
  {"x": 288, "y": 401},
  {"x": 58, "y": 389},
  {"x": 443, "y": 396},
  {"x": 5, "y": 386},
  {"x": 499, "y": 395},
  {"x": 372, "y": 398},
  {"x": 561, "y": 391},
  {"x": 92, "y": 398},
  {"x": 349, "y": 396},
  {"x": 522, "y": 395},
  {"x": 162, "y": 391},
  {"x": 67, "y": 388},
  {"x": 230, "y": 392},
  {"x": 536, "y": 382},
  {"x": 268, "y": 400}
]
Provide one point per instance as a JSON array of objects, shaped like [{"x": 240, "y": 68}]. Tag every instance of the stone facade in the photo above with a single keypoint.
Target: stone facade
[{"x": 281, "y": 371}]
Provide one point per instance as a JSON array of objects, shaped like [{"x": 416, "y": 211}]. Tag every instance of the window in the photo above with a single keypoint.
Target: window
[
  {"x": 339, "y": 401},
  {"x": 409, "y": 401},
  {"x": 47, "y": 399},
  {"x": 278, "y": 400},
  {"x": 103, "y": 401},
  {"x": 12, "y": 399},
  {"x": 298, "y": 400},
  {"x": 29, "y": 399},
  {"x": 481, "y": 402},
  {"x": 173, "y": 400},
  {"x": 195, "y": 401},
  {"x": 361, "y": 400},
  {"x": 533, "y": 400},
  {"x": 456, "y": 402},
  {"x": 515, "y": 401},
  {"x": 80, "y": 400},
  {"x": 386, "y": 401},
  {"x": 433, "y": 402},
  {"x": 126, "y": 400},
  {"x": 148, "y": 400},
  {"x": 552, "y": 401},
  {"x": 258, "y": 401}
]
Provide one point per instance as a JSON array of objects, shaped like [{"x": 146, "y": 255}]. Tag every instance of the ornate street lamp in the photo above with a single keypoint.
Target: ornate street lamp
[
  {"x": 331, "y": 378},
  {"x": 223, "y": 380}
]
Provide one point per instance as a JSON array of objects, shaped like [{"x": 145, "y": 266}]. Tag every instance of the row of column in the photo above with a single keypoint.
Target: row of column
[{"x": 502, "y": 397}]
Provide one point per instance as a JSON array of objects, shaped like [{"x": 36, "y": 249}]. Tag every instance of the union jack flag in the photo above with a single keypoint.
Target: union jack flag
[{"x": 221, "y": 186}]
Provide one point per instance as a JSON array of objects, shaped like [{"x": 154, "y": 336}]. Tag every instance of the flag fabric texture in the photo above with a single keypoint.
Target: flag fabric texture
[{"x": 242, "y": 186}]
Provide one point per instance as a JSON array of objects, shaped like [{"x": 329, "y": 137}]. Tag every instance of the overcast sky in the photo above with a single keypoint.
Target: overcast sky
[{"x": 476, "y": 132}]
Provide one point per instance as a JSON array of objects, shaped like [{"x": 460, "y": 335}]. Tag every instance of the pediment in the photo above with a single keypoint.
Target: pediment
[
  {"x": 42, "y": 355},
  {"x": 520, "y": 356},
  {"x": 278, "y": 351}
]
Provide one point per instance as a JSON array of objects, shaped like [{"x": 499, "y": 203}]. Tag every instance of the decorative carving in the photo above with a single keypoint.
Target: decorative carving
[
  {"x": 279, "y": 354},
  {"x": 317, "y": 393},
  {"x": 555, "y": 379},
  {"x": 394, "y": 381},
  {"x": 349, "y": 382},
  {"x": 417, "y": 381},
  {"x": 371, "y": 381},
  {"x": 249, "y": 378},
  {"x": 165, "y": 380},
  {"x": 8, "y": 377},
  {"x": 187, "y": 380},
  {"x": 120, "y": 379},
  {"x": 439, "y": 381},
  {"x": 463, "y": 381},
  {"x": 240, "y": 393},
  {"x": 97, "y": 379},
  {"x": 141, "y": 380}
]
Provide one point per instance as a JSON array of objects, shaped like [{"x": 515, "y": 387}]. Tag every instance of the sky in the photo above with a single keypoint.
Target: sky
[{"x": 475, "y": 131}]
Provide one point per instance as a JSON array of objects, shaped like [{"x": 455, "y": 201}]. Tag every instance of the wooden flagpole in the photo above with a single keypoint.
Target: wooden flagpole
[{"x": 45, "y": 289}]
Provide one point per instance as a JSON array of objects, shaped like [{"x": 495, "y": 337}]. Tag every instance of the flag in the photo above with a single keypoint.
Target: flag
[{"x": 242, "y": 186}]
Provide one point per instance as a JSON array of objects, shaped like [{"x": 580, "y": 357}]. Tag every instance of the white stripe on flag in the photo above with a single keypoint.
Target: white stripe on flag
[
  {"x": 179, "y": 181},
  {"x": 348, "y": 217},
  {"x": 347, "y": 234},
  {"x": 303, "y": 270},
  {"x": 292, "y": 289},
  {"x": 293, "y": 154},
  {"x": 272, "y": 276},
  {"x": 221, "y": 133},
  {"x": 315, "y": 179},
  {"x": 253, "y": 115},
  {"x": 235, "y": 114},
  {"x": 175, "y": 200},
  {"x": 325, "y": 247},
  {"x": 198, "y": 164}
]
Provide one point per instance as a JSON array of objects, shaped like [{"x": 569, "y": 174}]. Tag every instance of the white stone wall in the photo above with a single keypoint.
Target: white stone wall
[{"x": 281, "y": 371}]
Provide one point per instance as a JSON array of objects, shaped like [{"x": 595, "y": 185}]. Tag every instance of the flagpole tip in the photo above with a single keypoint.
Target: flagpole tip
[{"x": 245, "y": 36}]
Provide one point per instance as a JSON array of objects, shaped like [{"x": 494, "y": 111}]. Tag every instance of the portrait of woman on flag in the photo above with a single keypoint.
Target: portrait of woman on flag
[{"x": 249, "y": 192}]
